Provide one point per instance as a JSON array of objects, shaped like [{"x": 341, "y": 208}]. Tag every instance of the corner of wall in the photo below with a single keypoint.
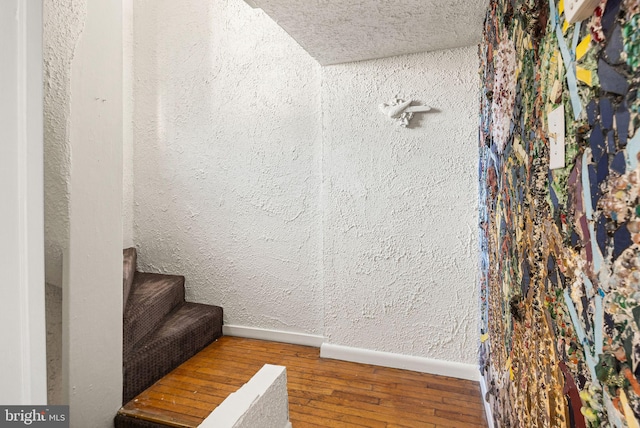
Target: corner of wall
[{"x": 128, "y": 195}]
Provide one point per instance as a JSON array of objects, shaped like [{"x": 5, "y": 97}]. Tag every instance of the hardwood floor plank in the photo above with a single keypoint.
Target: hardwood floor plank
[
  {"x": 182, "y": 401},
  {"x": 187, "y": 388},
  {"x": 164, "y": 411},
  {"x": 356, "y": 397},
  {"x": 339, "y": 419},
  {"x": 352, "y": 403},
  {"x": 410, "y": 406},
  {"x": 399, "y": 373},
  {"x": 305, "y": 421},
  {"x": 164, "y": 417},
  {"x": 170, "y": 390},
  {"x": 453, "y": 415},
  {"x": 301, "y": 388},
  {"x": 344, "y": 382},
  {"x": 186, "y": 412},
  {"x": 455, "y": 403},
  {"x": 322, "y": 392},
  {"x": 402, "y": 389},
  {"x": 372, "y": 414},
  {"x": 394, "y": 425}
]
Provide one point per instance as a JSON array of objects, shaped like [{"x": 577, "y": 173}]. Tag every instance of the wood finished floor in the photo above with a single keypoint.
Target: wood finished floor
[{"x": 322, "y": 392}]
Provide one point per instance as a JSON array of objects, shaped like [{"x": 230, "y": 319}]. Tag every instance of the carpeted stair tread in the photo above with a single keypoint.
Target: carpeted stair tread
[
  {"x": 183, "y": 333},
  {"x": 129, "y": 260},
  {"x": 153, "y": 296}
]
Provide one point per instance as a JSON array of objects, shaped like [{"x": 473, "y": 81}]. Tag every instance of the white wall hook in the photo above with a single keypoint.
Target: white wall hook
[{"x": 401, "y": 111}]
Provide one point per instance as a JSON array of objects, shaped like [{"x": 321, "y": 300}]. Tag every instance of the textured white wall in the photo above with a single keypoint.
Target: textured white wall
[
  {"x": 63, "y": 22},
  {"x": 400, "y": 210},
  {"x": 227, "y": 160},
  {"x": 339, "y": 31},
  {"x": 62, "y": 27},
  {"x": 232, "y": 123}
]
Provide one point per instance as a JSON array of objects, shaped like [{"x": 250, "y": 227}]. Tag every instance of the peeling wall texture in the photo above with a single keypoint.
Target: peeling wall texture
[
  {"x": 227, "y": 166},
  {"x": 63, "y": 21},
  {"x": 400, "y": 206}
]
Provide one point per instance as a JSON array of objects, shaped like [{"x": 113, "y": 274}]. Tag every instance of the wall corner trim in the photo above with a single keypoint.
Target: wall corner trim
[
  {"x": 488, "y": 411},
  {"x": 399, "y": 361},
  {"x": 273, "y": 335}
]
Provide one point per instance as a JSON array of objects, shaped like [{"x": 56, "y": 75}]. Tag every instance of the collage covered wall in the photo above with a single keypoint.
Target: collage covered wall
[{"x": 560, "y": 213}]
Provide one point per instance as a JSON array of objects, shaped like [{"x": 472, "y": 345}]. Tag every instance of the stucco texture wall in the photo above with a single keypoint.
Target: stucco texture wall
[
  {"x": 63, "y": 22},
  {"x": 285, "y": 196},
  {"x": 400, "y": 206},
  {"x": 227, "y": 160}
]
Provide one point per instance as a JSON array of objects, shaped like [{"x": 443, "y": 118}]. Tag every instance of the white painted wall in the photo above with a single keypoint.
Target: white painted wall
[
  {"x": 285, "y": 196},
  {"x": 22, "y": 360},
  {"x": 63, "y": 22},
  {"x": 400, "y": 206},
  {"x": 127, "y": 122},
  {"x": 92, "y": 276},
  {"x": 227, "y": 160}
]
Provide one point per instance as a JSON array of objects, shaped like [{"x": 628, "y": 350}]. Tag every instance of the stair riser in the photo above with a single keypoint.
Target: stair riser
[
  {"x": 175, "y": 342},
  {"x": 160, "y": 330},
  {"x": 152, "y": 299}
]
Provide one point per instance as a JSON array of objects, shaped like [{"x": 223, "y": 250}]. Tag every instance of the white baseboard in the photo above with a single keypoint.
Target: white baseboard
[
  {"x": 273, "y": 335},
  {"x": 488, "y": 411},
  {"x": 399, "y": 361},
  {"x": 358, "y": 355}
]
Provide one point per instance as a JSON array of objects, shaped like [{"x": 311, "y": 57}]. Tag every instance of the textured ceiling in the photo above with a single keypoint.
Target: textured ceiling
[{"x": 337, "y": 31}]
